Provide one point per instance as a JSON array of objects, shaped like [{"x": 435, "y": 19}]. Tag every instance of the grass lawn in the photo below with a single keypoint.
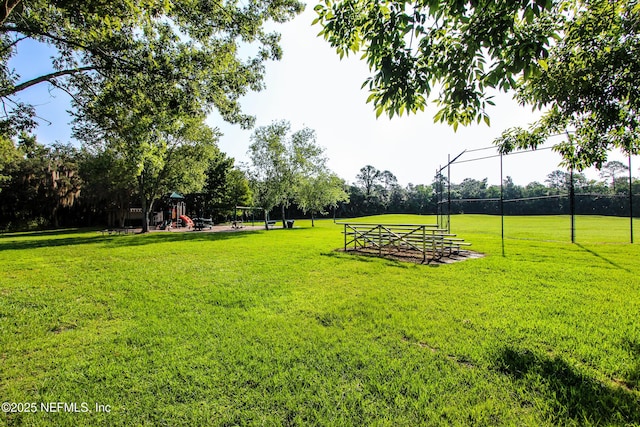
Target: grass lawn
[{"x": 278, "y": 328}]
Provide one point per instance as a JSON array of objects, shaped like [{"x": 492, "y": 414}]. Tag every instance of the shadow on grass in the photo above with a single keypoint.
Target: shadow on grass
[
  {"x": 45, "y": 233},
  {"x": 597, "y": 255},
  {"x": 365, "y": 257},
  {"x": 632, "y": 380},
  {"x": 49, "y": 240},
  {"x": 571, "y": 396}
]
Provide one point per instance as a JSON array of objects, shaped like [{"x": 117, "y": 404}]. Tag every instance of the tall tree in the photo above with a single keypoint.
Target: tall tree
[
  {"x": 192, "y": 46},
  {"x": 320, "y": 191},
  {"x": 160, "y": 152},
  {"x": 577, "y": 59},
  {"x": 473, "y": 189},
  {"x": 368, "y": 177},
  {"x": 611, "y": 170},
  {"x": 238, "y": 192},
  {"x": 419, "y": 198},
  {"x": 225, "y": 188},
  {"x": 42, "y": 182},
  {"x": 279, "y": 161},
  {"x": 270, "y": 171},
  {"x": 558, "y": 181},
  {"x": 109, "y": 186},
  {"x": 215, "y": 188}
]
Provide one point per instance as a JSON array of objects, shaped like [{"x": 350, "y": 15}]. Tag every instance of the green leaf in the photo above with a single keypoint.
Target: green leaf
[{"x": 543, "y": 64}]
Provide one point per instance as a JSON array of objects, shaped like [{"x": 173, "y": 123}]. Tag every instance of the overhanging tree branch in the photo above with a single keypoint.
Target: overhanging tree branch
[
  {"x": 93, "y": 50},
  {"x": 6, "y": 6},
  {"x": 47, "y": 77}
]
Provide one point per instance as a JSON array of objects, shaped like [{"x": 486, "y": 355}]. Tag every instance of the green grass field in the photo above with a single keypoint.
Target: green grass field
[{"x": 278, "y": 328}]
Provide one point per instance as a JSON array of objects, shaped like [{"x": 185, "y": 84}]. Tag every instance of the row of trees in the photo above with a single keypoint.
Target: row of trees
[
  {"x": 143, "y": 75},
  {"x": 64, "y": 185},
  {"x": 95, "y": 184},
  {"x": 378, "y": 191}
]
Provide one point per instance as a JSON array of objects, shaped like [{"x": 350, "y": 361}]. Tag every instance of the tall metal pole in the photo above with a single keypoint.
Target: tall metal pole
[
  {"x": 630, "y": 201},
  {"x": 439, "y": 198},
  {"x": 572, "y": 206},
  {"x": 449, "y": 193},
  {"x": 501, "y": 204}
]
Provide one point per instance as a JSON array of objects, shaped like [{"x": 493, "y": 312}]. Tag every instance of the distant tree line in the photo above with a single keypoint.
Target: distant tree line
[
  {"x": 377, "y": 192},
  {"x": 62, "y": 185}
]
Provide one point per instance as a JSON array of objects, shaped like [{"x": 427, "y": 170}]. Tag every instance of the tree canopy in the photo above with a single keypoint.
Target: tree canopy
[
  {"x": 461, "y": 48},
  {"x": 588, "y": 85},
  {"x": 288, "y": 168},
  {"x": 143, "y": 75},
  {"x": 190, "y": 46},
  {"x": 576, "y": 59}
]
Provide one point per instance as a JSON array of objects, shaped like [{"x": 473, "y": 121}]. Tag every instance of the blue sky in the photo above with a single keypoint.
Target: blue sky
[{"x": 312, "y": 87}]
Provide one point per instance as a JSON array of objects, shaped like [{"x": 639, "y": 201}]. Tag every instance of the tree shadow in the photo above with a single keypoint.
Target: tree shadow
[
  {"x": 45, "y": 233},
  {"x": 49, "y": 240},
  {"x": 573, "y": 397},
  {"x": 632, "y": 379},
  {"x": 597, "y": 255},
  {"x": 366, "y": 257}
]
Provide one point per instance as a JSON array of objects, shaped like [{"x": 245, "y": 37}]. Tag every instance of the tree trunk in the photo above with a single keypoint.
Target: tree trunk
[
  {"x": 266, "y": 219},
  {"x": 149, "y": 210},
  {"x": 122, "y": 217},
  {"x": 145, "y": 209},
  {"x": 284, "y": 225},
  {"x": 312, "y": 224},
  {"x": 54, "y": 217},
  {"x": 145, "y": 215}
]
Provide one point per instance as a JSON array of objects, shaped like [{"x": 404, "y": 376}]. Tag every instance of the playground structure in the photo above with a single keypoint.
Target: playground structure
[
  {"x": 175, "y": 216},
  {"x": 427, "y": 242}
]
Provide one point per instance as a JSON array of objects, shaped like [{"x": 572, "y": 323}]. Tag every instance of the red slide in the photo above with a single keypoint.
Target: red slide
[{"x": 186, "y": 220}]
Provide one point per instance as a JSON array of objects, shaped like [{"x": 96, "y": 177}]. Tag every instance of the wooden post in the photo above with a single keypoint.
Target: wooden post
[
  {"x": 345, "y": 237},
  {"x": 379, "y": 240}
]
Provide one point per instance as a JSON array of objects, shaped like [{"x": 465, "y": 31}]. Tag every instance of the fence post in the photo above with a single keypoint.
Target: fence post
[
  {"x": 572, "y": 206},
  {"x": 345, "y": 237},
  {"x": 379, "y": 240}
]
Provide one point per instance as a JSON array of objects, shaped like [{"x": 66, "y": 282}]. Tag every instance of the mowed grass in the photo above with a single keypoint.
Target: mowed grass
[{"x": 278, "y": 328}]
